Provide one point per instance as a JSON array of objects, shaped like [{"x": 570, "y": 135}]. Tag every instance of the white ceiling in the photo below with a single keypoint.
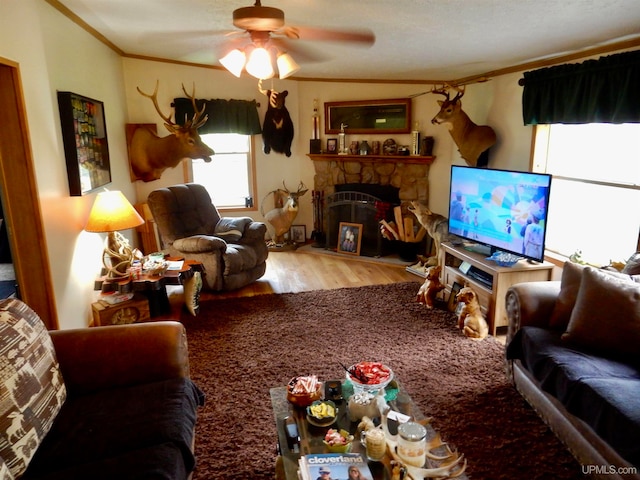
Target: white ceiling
[{"x": 418, "y": 40}]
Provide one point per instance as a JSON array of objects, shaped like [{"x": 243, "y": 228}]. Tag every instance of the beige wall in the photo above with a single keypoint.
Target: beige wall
[{"x": 55, "y": 54}]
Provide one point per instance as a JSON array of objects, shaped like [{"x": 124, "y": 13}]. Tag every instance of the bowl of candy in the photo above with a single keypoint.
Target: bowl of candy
[
  {"x": 369, "y": 376},
  {"x": 302, "y": 391},
  {"x": 322, "y": 413},
  {"x": 338, "y": 441}
]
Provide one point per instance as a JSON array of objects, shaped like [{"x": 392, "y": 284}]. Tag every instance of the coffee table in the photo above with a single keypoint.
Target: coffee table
[{"x": 311, "y": 437}]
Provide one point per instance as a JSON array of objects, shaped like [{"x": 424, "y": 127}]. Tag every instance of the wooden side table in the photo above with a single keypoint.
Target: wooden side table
[{"x": 153, "y": 287}]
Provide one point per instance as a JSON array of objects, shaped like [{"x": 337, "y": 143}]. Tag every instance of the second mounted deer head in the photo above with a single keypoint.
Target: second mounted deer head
[{"x": 472, "y": 140}]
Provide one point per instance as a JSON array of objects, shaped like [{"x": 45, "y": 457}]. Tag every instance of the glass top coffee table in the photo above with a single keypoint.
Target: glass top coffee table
[{"x": 311, "y": 437}]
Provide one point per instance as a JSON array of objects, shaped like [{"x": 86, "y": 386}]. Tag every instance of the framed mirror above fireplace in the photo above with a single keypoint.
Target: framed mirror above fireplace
[{"x": 368, "y": 116}]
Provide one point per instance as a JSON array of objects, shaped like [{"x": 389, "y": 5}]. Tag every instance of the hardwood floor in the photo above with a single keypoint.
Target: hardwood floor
[{"x": 298, "y": 271}]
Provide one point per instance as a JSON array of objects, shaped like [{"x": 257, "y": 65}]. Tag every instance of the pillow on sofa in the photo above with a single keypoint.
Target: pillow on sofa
[
  {"x": 5, "y": 474},
  {"x": 569, "y": 286},
  {"x": 606, "y": 316},
  {"x": 231, "y": 229},
  {"x": 33, "y": 391}
]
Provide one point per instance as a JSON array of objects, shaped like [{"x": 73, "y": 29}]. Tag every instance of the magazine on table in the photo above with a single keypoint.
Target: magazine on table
[{"x": 334, "y": 466}]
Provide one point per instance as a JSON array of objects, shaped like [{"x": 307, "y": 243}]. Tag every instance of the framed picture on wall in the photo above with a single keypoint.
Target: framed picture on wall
[
  {"x": 84, "y": 136},
  {"x": 349, "y": 238}
]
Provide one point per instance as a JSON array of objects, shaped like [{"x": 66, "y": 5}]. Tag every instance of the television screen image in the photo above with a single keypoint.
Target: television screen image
[{"x": 503, "y": 209}]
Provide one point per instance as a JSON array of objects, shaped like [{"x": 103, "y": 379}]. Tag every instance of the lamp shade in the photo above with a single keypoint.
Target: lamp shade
[
  {"x": 112, "y": 212},
  {"x": 259, "y": 64},
  {"x": 234, "y": 61},
  {"x": 286, "y": 65}
]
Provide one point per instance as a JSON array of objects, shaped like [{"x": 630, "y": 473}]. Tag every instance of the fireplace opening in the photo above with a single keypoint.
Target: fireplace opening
[{"x": 364, "y": 204}]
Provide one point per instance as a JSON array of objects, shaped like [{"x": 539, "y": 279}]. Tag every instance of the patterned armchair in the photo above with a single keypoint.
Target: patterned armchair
[{"x": 233, "y": 251}]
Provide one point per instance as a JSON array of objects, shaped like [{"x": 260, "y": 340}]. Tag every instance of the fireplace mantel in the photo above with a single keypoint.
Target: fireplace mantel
[{"x": 410, "y": 159}]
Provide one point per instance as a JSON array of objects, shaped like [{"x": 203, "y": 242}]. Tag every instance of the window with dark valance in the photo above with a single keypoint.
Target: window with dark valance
[
  {"x": 225, "y": 116},
  {"x": 606, "y": 90}
]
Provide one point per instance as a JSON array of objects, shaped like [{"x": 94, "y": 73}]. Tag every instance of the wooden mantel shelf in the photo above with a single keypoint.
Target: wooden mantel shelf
[{"x": 325, "y": 157}]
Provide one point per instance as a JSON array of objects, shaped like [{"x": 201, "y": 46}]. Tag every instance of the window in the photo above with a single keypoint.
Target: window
[
  {"x": 595, "y": 191},
  {"x": 229, "y": 177}
]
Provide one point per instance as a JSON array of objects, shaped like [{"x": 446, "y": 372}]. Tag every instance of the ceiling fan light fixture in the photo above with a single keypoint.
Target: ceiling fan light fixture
[
  {"x": 259, "y": 64},
  {"x": 234, "y": 61},
  {"x": 286, "y": 65}
]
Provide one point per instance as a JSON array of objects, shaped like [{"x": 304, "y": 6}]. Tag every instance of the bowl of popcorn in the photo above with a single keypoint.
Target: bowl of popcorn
[
  {"x": 338, "y": 441},
  {"x": 302, "y": 391}
]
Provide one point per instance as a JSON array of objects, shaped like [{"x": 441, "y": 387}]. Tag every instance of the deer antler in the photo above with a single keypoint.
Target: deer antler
[
  {"x": 198, "y": 120},
  {"x": 460, "y": 93},
  {"x": 154, "y": 99},
  {"x": 441, "y": 91}
]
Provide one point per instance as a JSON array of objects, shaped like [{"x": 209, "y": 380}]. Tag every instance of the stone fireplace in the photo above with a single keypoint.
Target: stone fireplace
[{"x": 377, "y": 180}]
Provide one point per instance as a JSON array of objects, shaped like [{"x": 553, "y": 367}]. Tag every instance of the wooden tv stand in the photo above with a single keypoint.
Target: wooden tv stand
[{"x": 491, "y": 293}]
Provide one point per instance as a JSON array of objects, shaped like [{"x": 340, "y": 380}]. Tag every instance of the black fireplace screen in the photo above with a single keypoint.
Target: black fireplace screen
[{"x": 355, "y": 207}]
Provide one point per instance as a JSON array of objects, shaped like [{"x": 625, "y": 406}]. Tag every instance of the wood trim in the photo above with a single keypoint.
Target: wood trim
[{"x": 20, "y": 199}]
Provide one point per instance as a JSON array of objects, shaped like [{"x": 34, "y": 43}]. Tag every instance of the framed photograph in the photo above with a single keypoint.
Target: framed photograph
[
  {"x": 332, "y": 145},
  {"x": 84, "y": 136},
  {"x": 349, "y": 238},
  {"x": 451, "y": 303},
  {"x": 298, "y": 233}
]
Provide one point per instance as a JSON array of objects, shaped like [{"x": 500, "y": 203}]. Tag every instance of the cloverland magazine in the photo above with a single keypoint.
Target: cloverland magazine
[{"x": 336, "y": 465}]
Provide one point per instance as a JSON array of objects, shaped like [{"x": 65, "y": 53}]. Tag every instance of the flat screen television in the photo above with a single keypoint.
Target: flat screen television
[{"x": 502, "y": 210}]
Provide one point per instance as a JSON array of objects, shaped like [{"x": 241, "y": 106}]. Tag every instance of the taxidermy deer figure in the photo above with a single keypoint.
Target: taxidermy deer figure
[
  {"x": 472, "y": 140},
  {"x": 279, "y": 219},
  {"x": 150, "y": 155}
]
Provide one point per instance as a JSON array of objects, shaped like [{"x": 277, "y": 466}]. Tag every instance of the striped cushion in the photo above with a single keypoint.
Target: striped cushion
[{"x": 31, "y": 388}]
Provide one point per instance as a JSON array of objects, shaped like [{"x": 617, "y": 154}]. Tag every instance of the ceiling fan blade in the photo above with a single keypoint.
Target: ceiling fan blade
[
  {"x": 302, "y": 53},
  {"x": 362, "y": 36}
]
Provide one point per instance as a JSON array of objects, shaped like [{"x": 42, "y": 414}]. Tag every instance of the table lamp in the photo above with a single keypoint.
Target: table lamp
[{"x": 112, "y": 212}]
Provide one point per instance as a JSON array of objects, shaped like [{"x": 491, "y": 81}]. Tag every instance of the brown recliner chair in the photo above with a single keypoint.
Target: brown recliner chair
[{"x": 233, "y": 251}]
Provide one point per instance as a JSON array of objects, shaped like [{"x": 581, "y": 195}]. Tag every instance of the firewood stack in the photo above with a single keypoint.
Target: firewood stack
[{"x": 402, "y": 228}]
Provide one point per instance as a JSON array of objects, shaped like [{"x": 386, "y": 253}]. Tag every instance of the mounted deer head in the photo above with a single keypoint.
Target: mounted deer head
[
  {"x": 279, "y": 219},
  {"x": 472, "y": 140},
  {"x": 150, "y": 155}
]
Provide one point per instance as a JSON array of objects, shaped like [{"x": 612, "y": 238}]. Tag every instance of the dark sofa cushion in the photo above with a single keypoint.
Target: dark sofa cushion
[
  {"x": 103, "y": 431},
  {"x": 158, "y": 462},
  {"x": 612, "y": 407},
  {"x": 601, "y": 391}
]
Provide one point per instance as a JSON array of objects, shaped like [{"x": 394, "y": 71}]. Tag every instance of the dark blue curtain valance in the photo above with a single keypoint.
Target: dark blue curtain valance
[
  {"x": 225, "y": 116},
  {"x": 606, "y": 90}
]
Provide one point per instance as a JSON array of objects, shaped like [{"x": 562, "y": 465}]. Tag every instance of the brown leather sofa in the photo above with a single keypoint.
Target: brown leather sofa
[
  {"x": 108, "y": 402},
  {"x": 232, "y": 250}
]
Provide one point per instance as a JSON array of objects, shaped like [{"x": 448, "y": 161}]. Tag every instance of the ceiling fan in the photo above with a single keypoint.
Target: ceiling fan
[{"x": 271, "y": 37}]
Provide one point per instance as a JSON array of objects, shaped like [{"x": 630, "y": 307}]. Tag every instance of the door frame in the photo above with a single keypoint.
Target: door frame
[{"x": 21, "y": 201}]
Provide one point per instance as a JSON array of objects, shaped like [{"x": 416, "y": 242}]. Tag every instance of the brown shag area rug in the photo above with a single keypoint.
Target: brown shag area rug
[{"x": 239, "y": 348}]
